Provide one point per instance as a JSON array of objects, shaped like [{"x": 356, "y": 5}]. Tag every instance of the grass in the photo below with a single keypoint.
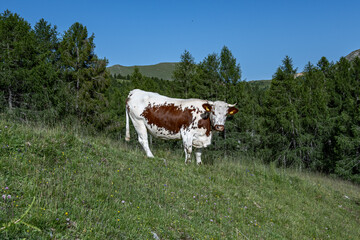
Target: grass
[{"x": 96, "y": 188}]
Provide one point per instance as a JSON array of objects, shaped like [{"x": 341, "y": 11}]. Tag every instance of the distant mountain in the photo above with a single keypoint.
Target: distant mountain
[
  {"x": 161, "y": 70},
  {"x": 351, "y": 56}
]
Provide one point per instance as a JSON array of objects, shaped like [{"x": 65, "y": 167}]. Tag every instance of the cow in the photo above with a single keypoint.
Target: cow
[{"x": 192, "y": 120}]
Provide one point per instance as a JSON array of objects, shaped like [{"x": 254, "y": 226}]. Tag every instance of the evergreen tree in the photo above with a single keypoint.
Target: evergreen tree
[
  {"x": 77, "y": 54},
  {"x": 137, "y": 79},
  {"x": 282, "y": 122},
  {"x": 85, "y": 73},
  {"x": 184, "y": 71},
  {"x": 314, "y": 114},
  {"x": 230, "y": 72},
  {"x": 17, "y": 53},
  {"x": 209, "y": 78},
  {"x": 343, "y": 157},
  {"x": 46, "y": 85}
]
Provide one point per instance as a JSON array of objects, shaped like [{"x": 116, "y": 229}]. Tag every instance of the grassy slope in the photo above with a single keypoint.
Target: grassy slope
[
  {"x": 161, "y": 70},
  {"x": 95, "y": 188}
]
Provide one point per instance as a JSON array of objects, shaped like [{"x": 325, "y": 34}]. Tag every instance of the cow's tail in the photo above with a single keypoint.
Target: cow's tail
[{"x": 127, "y": 136}]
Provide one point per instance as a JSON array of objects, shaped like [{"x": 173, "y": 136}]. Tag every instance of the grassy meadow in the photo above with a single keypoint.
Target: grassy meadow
[{"x": 97, "y": 188}]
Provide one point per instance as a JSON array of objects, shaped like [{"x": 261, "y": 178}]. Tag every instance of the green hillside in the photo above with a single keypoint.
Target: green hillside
[
  {"x": 164, "y": 71},
  {"x": 261, "y": 84},
  {"x": 161, "y": 70},
  {"x": 96, "y": 188}
]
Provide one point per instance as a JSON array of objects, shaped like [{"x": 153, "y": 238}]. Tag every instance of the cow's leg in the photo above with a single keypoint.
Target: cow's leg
[
  {"x": 198, "y": 156},
  {"x": 143, "y": 137},
  {"x": 188, "y": 151},
  {"x": 187, "y": 142}
]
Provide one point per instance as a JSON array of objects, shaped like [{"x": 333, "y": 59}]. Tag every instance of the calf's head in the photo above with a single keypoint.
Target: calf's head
[{"x": 218, "y": 111}]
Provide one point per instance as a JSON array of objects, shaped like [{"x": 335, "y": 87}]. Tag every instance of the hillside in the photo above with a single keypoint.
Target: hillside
[
  {"x": 261, "y": 84},
  {"x": 161, "y": 70},
  {"x": 96, "y": 188}
]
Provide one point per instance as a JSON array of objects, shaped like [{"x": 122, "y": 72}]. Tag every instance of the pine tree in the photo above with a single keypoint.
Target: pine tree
[
  {"x": 314, "y": 114},
  {"x": 17, "y": 53},
  {"x": 282, "y": 122},
  {"x": 85, "y": 74},
  {"x": 77, "y": 54},
  {"x": 184, "y": 72},
  {"x": 345, "y": 116},
  {"x": 208, "y": 74},
  {"x": 46, "y": 85},
  {"x": 137, "y": 79},
  {"x": 230, "y": 72}
]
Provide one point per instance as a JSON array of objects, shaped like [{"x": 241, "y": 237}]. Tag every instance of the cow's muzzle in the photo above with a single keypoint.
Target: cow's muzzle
[{"x": 219, "y": 128}]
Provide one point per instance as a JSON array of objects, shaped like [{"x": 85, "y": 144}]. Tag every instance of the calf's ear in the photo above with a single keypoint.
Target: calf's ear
[
  {"x": 232, "y": 110},
  {"x": 207, "y": 107}
]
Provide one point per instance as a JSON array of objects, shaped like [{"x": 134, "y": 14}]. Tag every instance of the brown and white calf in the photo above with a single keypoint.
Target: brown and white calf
[{"x": 191, "y": 120}]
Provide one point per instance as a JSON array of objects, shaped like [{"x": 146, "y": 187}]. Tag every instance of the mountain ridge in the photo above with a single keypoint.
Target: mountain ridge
[
  {"x": 351, "y": 56},
  {"x": 161, "y": 70},
  {"x": 164, "y": 70}
]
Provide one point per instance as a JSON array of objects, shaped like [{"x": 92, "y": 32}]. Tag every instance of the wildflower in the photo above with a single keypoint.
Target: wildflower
[
  {"x": 122, "y": 201},
  {"x": 6, "y": 188},
  {"x": 4, "y": 196},
  {"x": 66, "y": 213},
  {"x": 211, "y": 220}
]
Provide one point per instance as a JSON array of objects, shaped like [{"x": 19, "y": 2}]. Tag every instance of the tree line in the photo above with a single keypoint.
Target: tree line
[{"x": 307, "y": 121}]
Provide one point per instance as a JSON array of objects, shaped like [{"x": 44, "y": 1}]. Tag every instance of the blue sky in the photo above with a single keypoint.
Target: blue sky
[{"x": 259, "y": 33}]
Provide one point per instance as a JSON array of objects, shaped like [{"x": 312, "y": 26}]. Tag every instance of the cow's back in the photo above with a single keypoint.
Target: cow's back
[{"x": 138, "y": 100}]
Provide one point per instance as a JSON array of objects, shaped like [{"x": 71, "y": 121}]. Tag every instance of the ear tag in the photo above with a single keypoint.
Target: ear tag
[
  {"x": 232, "y": 110},
  {"x": 207, "y": 109}
]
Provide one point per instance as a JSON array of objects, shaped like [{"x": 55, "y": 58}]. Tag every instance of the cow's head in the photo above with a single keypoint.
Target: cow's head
[{"x": 218, "y": 111}]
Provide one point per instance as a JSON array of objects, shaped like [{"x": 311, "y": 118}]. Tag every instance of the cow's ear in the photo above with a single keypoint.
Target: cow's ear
[
  {"x": 232, "y": 110},
  {"x": 207, "y": 107}
]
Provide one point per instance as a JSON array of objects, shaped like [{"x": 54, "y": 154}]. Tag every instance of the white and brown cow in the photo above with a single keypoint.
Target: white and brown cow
[{"x": 191, "y": 120}]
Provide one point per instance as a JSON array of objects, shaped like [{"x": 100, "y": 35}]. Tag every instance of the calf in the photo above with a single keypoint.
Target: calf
[{"x": 192, "y": 120}]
